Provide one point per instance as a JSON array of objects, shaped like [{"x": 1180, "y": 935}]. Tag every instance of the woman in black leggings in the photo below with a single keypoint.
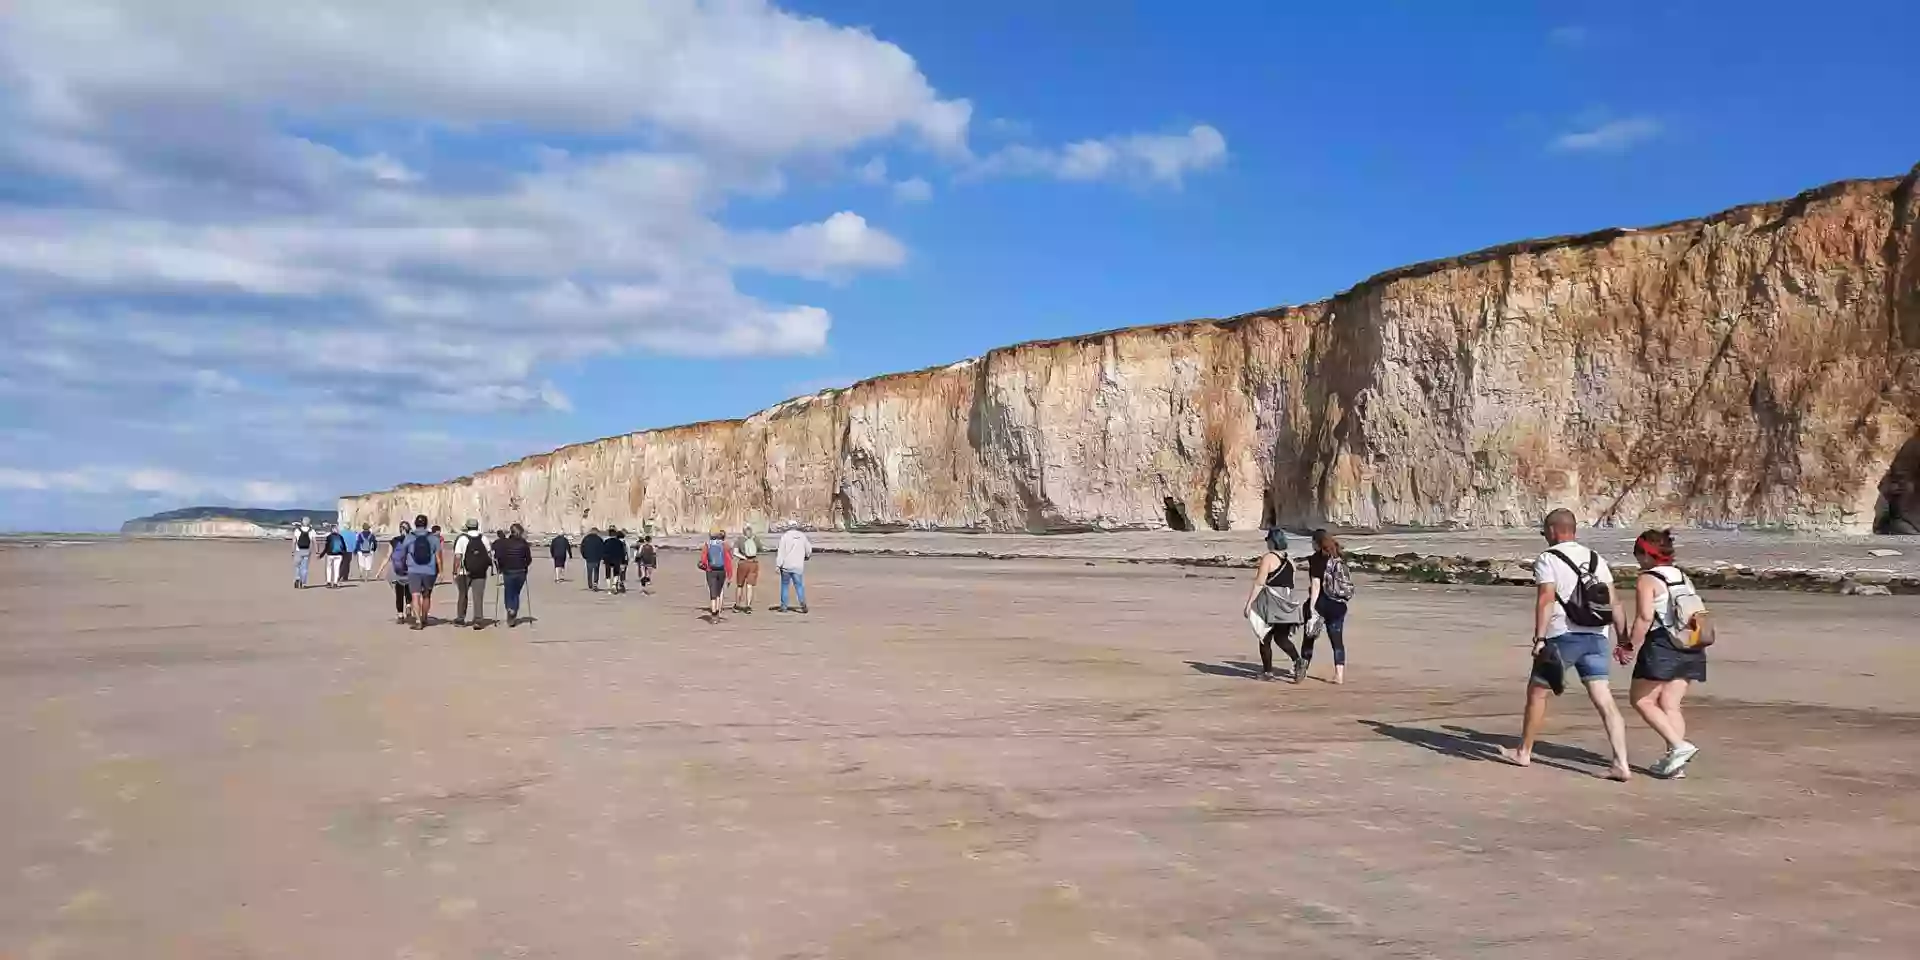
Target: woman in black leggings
[
  {"x": 1274, "y": 616},
  {"x": 400, "y": 607},
  {"x": 1328, "y": 597}
]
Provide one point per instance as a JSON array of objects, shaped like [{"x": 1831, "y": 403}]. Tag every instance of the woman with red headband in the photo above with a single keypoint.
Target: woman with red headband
[{"x": 1664, "y": 667}]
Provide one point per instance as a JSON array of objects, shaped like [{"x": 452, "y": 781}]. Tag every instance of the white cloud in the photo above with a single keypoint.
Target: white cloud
[
  {"x": 1155, "y": 158},
  {"x": 279, "y": 213},
  {"x": 1613, "y": 136},
  {"x": 831, "y": 248},
  {"x": 737, "y": 73},
  {"x": 913, "y": 190}
]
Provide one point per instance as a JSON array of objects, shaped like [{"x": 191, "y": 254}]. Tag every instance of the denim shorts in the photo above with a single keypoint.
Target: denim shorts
[
  {"x": 421, "y": 582},
  {"x": 1589, "y": 654}
]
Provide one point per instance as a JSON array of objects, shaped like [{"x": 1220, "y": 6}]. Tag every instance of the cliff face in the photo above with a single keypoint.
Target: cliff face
[
  {"x": 215, "y": 527},
  {"x": 1760, "y": 366}
]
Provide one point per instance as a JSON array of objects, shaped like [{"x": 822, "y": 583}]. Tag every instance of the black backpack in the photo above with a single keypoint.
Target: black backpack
[
  {"x": 476, "y": 560},
  {"x": 1591, "y": 603},
  {"x": 422, "y": 549},
  {"x": 306, "y": 540}
]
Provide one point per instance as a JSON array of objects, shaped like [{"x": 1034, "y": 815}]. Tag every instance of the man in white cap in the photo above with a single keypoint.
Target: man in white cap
[{"x": 472, "y": 558}]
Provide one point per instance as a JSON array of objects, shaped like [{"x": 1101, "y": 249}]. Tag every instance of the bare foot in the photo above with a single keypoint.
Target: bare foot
[
  {"x": 1619, "y": 775},
  {"x": 1515, "y": 757}
]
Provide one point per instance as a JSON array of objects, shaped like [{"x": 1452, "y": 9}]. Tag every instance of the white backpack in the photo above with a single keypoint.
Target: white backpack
[{"x": 1686, "y": 615}]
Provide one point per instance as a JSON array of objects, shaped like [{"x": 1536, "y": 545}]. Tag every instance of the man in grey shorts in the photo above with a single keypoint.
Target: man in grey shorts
[
  {"x": 1570, "y": 630},
  {"x": 421, "y": 574}
]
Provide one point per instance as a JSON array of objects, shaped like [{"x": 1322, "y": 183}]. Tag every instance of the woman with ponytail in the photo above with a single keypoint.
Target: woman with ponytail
[{"x": 1665, "y": 664}]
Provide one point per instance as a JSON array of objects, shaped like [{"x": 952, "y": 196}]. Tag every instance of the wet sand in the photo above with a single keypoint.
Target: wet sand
[{"x": 947, "y": 758}]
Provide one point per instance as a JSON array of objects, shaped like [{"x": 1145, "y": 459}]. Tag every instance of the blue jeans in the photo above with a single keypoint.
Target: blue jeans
[
  {"x": 1589, "y": 654},
  {"x": 514, "y": 580},
  {"x": 799, "y": 586},
  {"x": 300, "y": 567}
]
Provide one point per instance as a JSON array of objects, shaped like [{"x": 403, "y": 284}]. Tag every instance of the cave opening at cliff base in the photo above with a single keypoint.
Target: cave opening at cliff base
[
  {"x": 1177, "y": 516},
  {"x": 1898, "y": 508}
]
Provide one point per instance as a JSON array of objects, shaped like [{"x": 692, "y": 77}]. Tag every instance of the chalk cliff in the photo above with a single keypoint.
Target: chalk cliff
[
  {"x": 1760, "y": 366},
  {"x": 222, "y": 522}
]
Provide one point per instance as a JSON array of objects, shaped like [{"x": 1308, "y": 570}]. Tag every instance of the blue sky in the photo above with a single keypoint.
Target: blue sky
[{"x": 250, "y": 255}]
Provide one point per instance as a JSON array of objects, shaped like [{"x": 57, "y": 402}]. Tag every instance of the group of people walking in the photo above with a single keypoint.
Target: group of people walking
[
  {"x": 1574, "y": 615},
  {"x": 414, "y": 561},
  {"x": 606, "y": 558},
  {"x": 739, "y": 563},
  {"x": 1275, "y": 607},
  {"x": 340, "y": 551}
]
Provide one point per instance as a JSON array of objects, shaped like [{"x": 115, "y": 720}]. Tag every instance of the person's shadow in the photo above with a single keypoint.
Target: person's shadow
[
  {"x": 1231, "y": 668},
  {"x": 1469, "y": 744}
]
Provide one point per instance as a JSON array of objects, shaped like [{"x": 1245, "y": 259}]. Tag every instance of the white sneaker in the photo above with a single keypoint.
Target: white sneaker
[{"x": 1676, "y": 759}]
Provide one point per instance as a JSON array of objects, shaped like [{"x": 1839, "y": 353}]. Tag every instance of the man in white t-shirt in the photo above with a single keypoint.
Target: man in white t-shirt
[{"x": 1573, "y": 609}]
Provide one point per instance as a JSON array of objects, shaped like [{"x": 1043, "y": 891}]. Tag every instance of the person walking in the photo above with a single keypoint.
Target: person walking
[
  {"x": 646, "y": 560},
  {"x": 515, "y": 556},
  {"x": 1669, "y": 630},
  {"x": 422, "y": 551},
  {"x": 590, "y": 555},
  {"x": 302, "y": 552},
  {"x": 335, "y": 553},
  {"x": 717, "y": 561},
  {"x": 1573, "y": 610},
  {"x": 397, "y": 573},
  {"x": 791, "y": 557},
  {"x": 746, "y": 565},
  {"x": 560, "y": 549},
  {"x": 444, "y": 563},
  {"x": 1274, "y": 609},
  {"x": 613, "y": 554},
  {"x": 472, "y": 558},
  {"x": 364, "y": 549},
  {"x": 1329, "y": 591}
]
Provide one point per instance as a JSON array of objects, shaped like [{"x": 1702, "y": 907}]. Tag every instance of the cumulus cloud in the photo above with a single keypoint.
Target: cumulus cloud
[
  {"x": 1612, "y": 136},
  {"x": 740, "y": 74},
  {"x": 1153, "y": 158},
  {"x": 277, "y": 213},
  {"x": 833, "y": 247}
]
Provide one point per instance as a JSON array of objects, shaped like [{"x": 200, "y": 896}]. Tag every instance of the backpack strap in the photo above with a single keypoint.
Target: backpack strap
[{"x": 1563, "y": 558}]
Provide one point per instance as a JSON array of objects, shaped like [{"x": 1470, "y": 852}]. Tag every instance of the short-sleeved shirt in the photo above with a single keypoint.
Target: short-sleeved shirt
[
  {"x": 433, "y": 564},
  {"x": 1317, "y": 566},
  {"x": 747, "y": 548},
  {"x": 1548, "y": 568}
]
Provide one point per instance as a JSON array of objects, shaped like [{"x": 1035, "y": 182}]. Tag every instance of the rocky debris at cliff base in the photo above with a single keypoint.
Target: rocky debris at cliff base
[{"x": 1717, "y": 559}]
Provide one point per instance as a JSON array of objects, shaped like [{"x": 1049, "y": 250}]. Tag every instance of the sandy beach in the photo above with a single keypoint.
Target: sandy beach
[{"x": 948, "y": 758}]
